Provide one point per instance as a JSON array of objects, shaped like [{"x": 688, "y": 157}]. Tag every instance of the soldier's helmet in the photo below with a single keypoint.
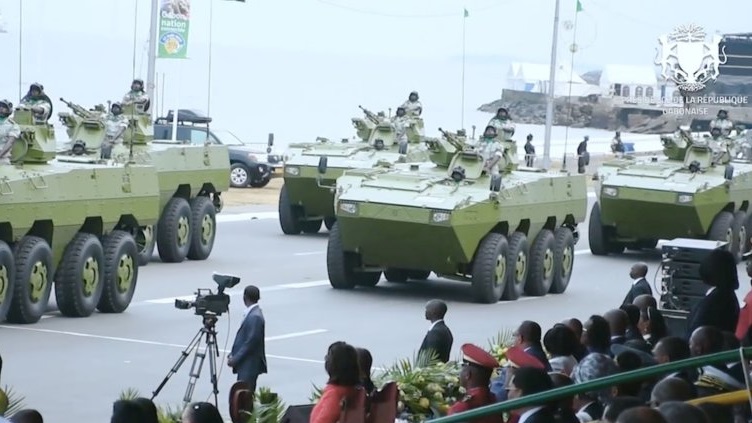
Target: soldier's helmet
[
  {"x": 502, "y": 110},
  {"x": 5, "y": 108},
  {"x": 715, "y": 131},
  {"x": 137, "y": 84},
  {"x": 414, "y": 95},
  {"x": 529, "y": 137},
  {"x": 116, "y": 108},
  {"x": 490, "y": 131},
  {"x": 36, "y": 86},
  {"x": 723, "y": 113},
  {"x": 400, "y": 111}
]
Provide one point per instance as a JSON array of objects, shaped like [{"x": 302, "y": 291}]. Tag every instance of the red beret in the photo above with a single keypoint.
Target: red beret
[
  {"x": 476, "y": 355},
  {"x": 517, "y": 357}
]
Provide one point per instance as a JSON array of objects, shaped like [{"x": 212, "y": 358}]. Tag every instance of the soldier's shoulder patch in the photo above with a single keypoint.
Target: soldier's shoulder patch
[{"x": 467, "y": 397}]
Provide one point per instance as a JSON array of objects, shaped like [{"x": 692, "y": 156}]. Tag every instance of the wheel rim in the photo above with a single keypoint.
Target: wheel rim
[
  {"x": 566, "y": 262},
  {"x": 183, "y": 230},
  {"x": 730, "y": 237},
  {"x": 38, "y": 281},
  {"x": 519, "y": 267},
  {"x": 548, "y": 264},
  {"x": 4, "y": 283},
  {"x": 145, "y": 237},
  {"x": 207, "y": 229},
  {"x": 742, "y": 239},
  {"x": 238, "y": 176},
  {"x": 501, "y": 269},
  {"x": 90, "y": 276},
  {"x": 125, "y": 273}
]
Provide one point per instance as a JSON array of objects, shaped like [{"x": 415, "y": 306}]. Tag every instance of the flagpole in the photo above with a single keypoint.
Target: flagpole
[
  {"x": 464, "y": 25},
  {"x": 573, "y": 49},
  {"x": 551, "y": 88},
  {"x": 135, "y": 36},
  {"x": 209, "y": 84},
  {"x": 152, "y": 64},
  {"x": 20, "y": 50}
]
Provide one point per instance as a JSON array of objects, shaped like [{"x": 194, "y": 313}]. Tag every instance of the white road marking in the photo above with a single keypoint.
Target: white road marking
[{"x": 310, "y": 253}]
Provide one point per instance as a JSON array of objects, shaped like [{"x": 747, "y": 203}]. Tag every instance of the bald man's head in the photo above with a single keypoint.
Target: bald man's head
[
  {"x": 645, "y": 301},
  {"x": 436, "y": 310},
  {"x": 670, "y": 389},
  {"x": 638, "y": 270},
  {"x": 706, "y": 340},
  {"x": 641, "y": 415},
  {"x": 618, "y": 321}
]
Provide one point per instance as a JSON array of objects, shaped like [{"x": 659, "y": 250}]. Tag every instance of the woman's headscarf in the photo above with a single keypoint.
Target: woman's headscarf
[{"x": 595, "y": 366}]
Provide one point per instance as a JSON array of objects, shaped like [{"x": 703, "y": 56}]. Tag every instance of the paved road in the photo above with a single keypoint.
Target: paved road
[{"x": 72, "y": 369}]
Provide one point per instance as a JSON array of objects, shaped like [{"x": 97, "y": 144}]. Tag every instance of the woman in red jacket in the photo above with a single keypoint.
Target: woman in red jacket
[
  {"x": 341, "y": 364},
  {"x": 745, "y": 314}
]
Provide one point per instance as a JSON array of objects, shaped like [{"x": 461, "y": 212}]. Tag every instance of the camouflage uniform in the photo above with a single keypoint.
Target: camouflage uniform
[
  {"x": 412, "y": 108},
  {"x": 9, "y": 132},
  {"x": 491, "y": 148},
  {"x": 502, "y": 125},
  {"x": 45, "y": 106},
  {"x": 115, "y": 125},
  {"x": 401, "y": 125},
  {"x": 139, "y": 98},
  {"x": 725, "y": 125}
]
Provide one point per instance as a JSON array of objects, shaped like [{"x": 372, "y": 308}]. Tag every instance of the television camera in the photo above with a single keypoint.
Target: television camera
[{"x": 206, "y": 301}]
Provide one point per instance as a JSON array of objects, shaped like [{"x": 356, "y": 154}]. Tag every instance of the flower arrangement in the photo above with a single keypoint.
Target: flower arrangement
[
  {"x": 10, "y": 402},
  {"x": 500, "y": 344}
]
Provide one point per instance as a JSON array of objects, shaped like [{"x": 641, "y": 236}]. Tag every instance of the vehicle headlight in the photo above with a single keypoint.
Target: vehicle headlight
[
  {"x": 348, "y": 208},
  {"x": 440, "y": 216},
  {"x": 685, "y": 198},
  {"x": 610, "y": 191},
  {"x": 292, "y": 170}
]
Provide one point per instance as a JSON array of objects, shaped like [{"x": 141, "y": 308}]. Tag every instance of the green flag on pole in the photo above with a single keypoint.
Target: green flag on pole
[
  {"x": 174, "y": 22},
  {"x": 466, "y": 14},
  {"x": 579, "y": 6}
]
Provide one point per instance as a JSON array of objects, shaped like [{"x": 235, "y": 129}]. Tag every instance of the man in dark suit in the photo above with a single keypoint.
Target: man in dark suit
[
  {"x": 640, "y": 285},
  {"x": 528, "y": 337},
  {"x": 439, "y": 338},
  {"x": 618, "y": 322},
  {"x": 248, "y": 356},
  {"x": 720, "y": 307},
  {"x": 530, "y": 381}
]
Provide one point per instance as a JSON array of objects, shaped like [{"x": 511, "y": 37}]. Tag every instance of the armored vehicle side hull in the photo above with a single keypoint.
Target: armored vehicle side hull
[
  {"x": 71, "y": 223},
  {"x": 641, "y": 203},
  {"x": 518, "y": 238}
]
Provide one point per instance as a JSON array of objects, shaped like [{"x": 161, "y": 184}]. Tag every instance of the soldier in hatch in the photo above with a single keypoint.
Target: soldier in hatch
[
  {"x": 115, "y": 126},
  {"x": 723, "y": 123},
  {"x": 491, "y": 149},
  {"x": 401, "y": 123},
  {"x": 502, "y": 122},
  {"x": 412, "y": 106},
  {"x": 9, "y": 131},
  {"x": 38, "y": 102},
  {"x": 137, "y": 96}
]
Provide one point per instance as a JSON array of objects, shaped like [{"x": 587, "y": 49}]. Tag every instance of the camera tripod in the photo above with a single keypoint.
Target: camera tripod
[{"x": 209, "y": 334}]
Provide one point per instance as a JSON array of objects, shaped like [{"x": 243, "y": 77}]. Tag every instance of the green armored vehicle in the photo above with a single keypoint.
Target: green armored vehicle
[
  {"x": 191, "y": 179},
  {"x": 70, "y": 221},
  {"x": 701, "y": 188},
  {"x": 305, "y": 199},
  {"x": 506, "y": 234}
]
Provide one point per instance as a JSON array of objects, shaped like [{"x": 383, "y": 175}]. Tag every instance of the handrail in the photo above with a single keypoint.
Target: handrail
[
  {"x": 594, "y": 385},
  {"x": 728, "y": 398}
]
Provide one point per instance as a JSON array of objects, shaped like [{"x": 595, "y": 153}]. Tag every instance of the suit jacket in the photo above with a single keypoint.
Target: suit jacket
[
  {"x": 248, "y": 350},
  {"x": 538, "y": 353},
  {"x": 544, "y": 415},
  {"x": 641, "y": 287},
  {"x": 720, "y": 308},
  {"x": 438, "y": 339}
]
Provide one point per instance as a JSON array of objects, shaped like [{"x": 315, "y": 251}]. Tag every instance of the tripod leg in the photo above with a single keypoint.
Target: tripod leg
[
  {"x": 198, "y": 363},
  {"x": 213, "y": 351},
  {"x": 183, "y": 355}
]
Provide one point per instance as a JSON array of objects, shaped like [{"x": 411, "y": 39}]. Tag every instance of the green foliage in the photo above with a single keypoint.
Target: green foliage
[
  {"x": 499, "y": 345},
  {"x": 15, "y": 402},
  {"x": 165, "y": 414},
  {"x": 129, "y": 394},
  {"x": 267, "y": 407},
  {"x": 316, "y": 394}
]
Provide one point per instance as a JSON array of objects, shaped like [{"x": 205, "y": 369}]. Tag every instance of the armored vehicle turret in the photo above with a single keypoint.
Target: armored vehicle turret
[
  {"x": 305, "y": 199},
  {"x": 701, "y": 188},
  {"x": 505, "y": 230},
  {"x": 191, "y": 178},
  {"x": 72, "y": 222}
]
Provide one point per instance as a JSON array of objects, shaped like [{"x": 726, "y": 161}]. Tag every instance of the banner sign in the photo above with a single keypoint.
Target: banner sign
[{"x": 174, "y": 22}]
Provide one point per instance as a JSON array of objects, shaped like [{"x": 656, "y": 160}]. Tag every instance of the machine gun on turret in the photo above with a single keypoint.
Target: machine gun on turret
[
  {"x": 370, "y": 115},
  {"x": 78, "y": 110}
]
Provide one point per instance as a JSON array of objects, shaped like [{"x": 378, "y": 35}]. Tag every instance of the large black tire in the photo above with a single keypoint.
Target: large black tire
[
  {"x": 722, "y": 228},
  {"x": 7, "y": 279},
  {"x": 598, "y": 236},
  {"x": 174, "y": 235},
  {"x": 260, "y": 183},
  {"x": 490, "y": 269},
  {"x": 329, "y": 222},
  {"x": 542, "y": 264},
  {"x": 368, "y": 279},
  {"x": 396, "y": 275},
  {"x": 240, "y": 176},
  {"x": 146, "y": 240},
  {"x": 203, "y": 228},
  {"x": 120, "y": 272},
  {"x": 311, "y": 226},
  {"x": 339, "y": 263},
  {"x": 563, "y": 260},
  {"x": 418, "y": 275},
  {"x": 518, "y": 263},
  {"x": 80, "y": 278},
  {"x": 33, "y": 266},
  {"x": 739, "y": 228},
  {"x": 289, "y": 219}
]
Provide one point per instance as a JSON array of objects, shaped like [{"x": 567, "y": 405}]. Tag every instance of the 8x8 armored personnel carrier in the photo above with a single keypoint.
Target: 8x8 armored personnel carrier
[
  {"x": 71, "y": 222},
  {"x": 507, "y": 234},
  {"x": 700, "y": 189},
  {"x": 304, "y": 202},
  {"x": 191, "y": 179}
]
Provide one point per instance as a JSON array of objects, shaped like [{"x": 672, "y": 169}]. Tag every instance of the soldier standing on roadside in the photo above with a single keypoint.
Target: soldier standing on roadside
[{"x": 529, "y": 151}]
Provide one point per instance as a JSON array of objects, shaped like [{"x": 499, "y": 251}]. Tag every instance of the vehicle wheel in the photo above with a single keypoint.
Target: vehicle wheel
[
  {"x": 517, "y": 264},
  {"x": 7, "y": 277},
  {"x": 739, "y": 229},
  {"x": 490, "y": 268},
  {"x": 239, "y": 175},
  {"x": 120, "y": 272},
  {"x": 289, "y": 219},
  {"x": 339, "y": 263},
  {"x": 598, "y": 235},
  {"x": 79, "y": 279},
  {"x": 396, "y": 275},
  {"x": 722, "y": 229},
  {"x": 260, "y": 183},
  {"x": 174, "y": 235},
  {"x": 146, "y": 240},
  {"x": 33, "y": 281},
  {"x": 542, "y": 268},
  {"x": 563, "y": 260},
  {"x": 204, "y": 228},
  {"x": 329, "y": 222},
  {"x": 311, "y": 226},
  {"x": 368, "y": 279},
  {"x": 418, "y": 275}
]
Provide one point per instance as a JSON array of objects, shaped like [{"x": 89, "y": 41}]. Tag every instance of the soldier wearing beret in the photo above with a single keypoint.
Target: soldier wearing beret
[{"x": 475, "y": 377}]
